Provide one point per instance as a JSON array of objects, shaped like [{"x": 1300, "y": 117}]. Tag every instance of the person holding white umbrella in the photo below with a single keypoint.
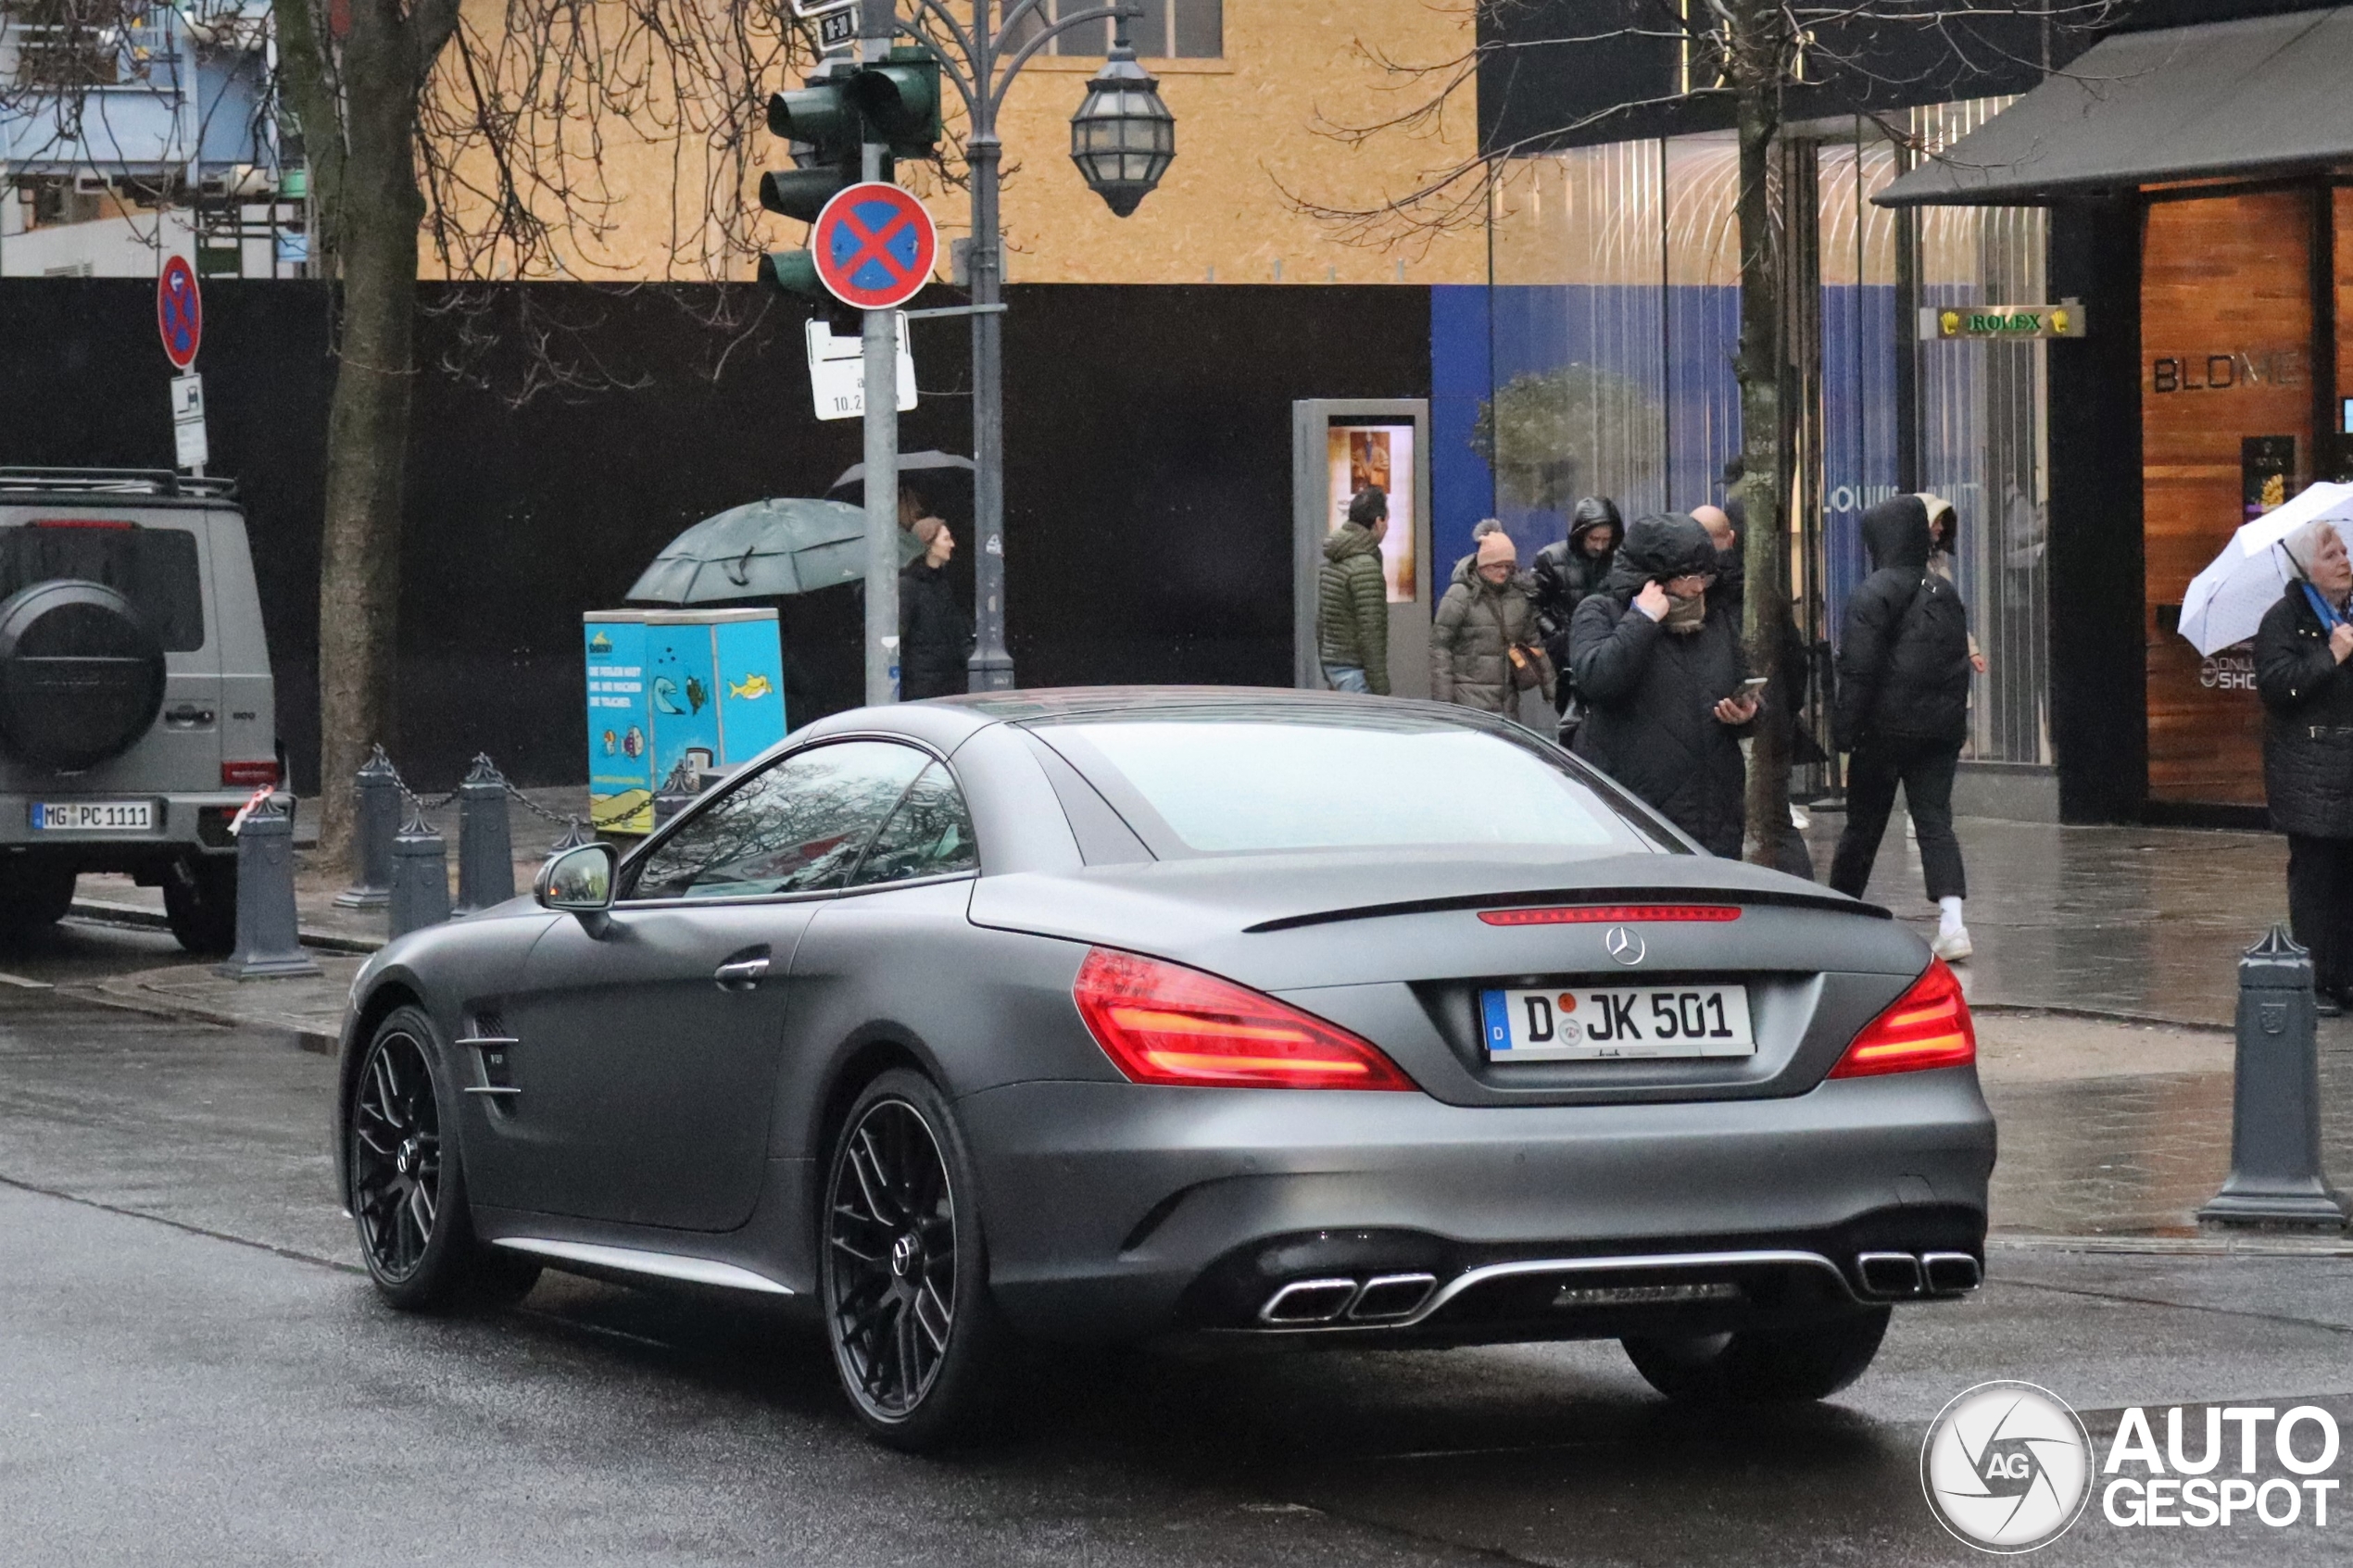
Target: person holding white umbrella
[{"x": 2301, "y": 647}]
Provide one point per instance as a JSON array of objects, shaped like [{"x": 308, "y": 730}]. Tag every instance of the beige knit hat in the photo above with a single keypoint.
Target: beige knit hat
[{"x": 1498, "y": 546}]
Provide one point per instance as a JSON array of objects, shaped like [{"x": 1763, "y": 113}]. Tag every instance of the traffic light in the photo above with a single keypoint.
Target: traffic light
[
  {"x": 899, "y": 101},
  {"x": 829, "y": 119},
  {"x": 822, "y": 122}
]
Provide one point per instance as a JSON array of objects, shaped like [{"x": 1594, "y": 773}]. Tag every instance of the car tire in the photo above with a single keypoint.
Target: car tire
[
  {"x": 915, "y": 1336},
  {"x": 33, "y": 895},
  {"x": 406, "y": 1179},
  {"x": 202, "y": 911},
  {"x": 1762, "y": 1366}
]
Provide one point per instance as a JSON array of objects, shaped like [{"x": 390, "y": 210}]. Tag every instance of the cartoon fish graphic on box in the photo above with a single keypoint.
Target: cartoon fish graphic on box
[
  {"x": 612, "y": 742},
  {"x": 666, "y": 694},
  {"x": 633, "y": 743},
  {"x": 697, "y": 694},
  {"x": 756, "y": 686}
]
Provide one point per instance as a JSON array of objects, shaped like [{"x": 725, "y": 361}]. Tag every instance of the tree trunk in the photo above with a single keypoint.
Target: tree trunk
[
  {"x": 375, "y": 233},
  {"x": 1756, "y": 70}
]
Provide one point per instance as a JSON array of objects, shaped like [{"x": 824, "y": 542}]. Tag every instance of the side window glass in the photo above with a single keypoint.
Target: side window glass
[
  {"x": 930, "y": 835},
  {"x": 796, "y": 827}
]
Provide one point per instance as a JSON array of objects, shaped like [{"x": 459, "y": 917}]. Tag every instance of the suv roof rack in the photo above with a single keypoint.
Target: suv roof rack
[{"x": 113, "y": 481}]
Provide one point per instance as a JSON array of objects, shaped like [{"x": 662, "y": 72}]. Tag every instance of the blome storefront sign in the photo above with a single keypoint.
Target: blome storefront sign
[
  {"x": 2009, "y": 1467},
  {"x": 2019, "y": 322}
]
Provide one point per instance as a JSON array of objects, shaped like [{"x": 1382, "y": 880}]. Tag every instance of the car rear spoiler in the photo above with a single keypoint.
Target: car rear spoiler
[{"x": 1775, "y": 897}]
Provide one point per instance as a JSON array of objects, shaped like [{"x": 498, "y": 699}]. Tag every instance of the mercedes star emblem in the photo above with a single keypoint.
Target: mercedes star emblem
[{"x": 1625, "y": 947}]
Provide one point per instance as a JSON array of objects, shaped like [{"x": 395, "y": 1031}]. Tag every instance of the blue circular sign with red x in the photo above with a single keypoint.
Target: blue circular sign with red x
[
  {"x": 179, "y": 311},
  {"x": 873, "y": 246}
]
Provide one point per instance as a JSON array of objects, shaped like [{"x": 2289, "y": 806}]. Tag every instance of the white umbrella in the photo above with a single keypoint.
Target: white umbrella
[
  {"x": 2225, "y": 602},
  {"x": 2323, "y": 500}
]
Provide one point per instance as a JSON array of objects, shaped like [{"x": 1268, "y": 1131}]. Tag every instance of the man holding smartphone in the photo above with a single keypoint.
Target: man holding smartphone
[{"x": 1659, "y": 668}]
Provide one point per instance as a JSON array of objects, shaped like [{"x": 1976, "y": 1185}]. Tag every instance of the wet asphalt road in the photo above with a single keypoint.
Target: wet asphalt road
[{"x": 192, "y": 1371}]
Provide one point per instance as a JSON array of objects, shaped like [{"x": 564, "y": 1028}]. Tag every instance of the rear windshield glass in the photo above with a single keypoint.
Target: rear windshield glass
[
  {"x": 154, "y": 568},
  {"x": 1219, "y": 785}
]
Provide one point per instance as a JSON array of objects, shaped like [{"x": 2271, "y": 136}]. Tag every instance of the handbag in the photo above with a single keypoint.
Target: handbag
[{"x": 1532, "y": 667}]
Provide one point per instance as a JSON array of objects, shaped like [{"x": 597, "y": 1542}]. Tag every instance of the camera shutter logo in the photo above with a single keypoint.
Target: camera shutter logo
[{"x": 2007, "y": 1467}]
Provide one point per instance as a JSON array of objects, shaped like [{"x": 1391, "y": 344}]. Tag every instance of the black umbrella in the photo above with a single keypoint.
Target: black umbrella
[{"x": 943, "y": 479}]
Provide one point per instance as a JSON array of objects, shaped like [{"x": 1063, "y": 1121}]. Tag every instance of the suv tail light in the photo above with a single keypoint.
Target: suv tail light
[
  {"x": 249, "y": 774},
  {"x": 1164, "y": 1023},
  {"x": 1927, "y": 1027}
]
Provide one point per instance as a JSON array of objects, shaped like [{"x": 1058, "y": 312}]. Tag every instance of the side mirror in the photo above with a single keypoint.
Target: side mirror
[{"x": 578, "y": 880}]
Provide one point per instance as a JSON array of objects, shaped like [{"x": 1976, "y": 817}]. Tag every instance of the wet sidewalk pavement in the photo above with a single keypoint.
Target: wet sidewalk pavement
[{"x": 2125, "y": 922}]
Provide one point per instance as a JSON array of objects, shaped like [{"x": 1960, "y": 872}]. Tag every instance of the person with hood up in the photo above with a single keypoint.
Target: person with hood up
[
  {"x": 1658, "y": 667},
  {"x": 1351, "y": 598},
  {"x": 934, "y": 634},
  {"x": 2301, "y": 649},
  {"x": 1903, "y": 711},
  {"x": 1563, "y": 575},
  {"x": 1483, "y": 651}
]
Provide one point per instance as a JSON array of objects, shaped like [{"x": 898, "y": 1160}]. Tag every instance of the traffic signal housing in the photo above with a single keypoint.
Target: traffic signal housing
[
  {"x": 822, "y": 122},
  {"x": 899, "y": 101},
  {"x": 828, "y": 121}
]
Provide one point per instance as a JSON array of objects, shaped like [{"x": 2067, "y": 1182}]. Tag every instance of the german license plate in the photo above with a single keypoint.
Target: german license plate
[
  {"x": 93, "y": 816},
  {"x": 1600, "y": 1023}
]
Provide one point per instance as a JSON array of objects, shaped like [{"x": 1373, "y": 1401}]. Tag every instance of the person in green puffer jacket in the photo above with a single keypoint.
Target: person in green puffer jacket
[{"x": 1352, "y": 600}]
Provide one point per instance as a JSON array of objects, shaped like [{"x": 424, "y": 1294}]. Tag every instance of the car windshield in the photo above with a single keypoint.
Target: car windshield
[{"x": 1217, "y": 786}]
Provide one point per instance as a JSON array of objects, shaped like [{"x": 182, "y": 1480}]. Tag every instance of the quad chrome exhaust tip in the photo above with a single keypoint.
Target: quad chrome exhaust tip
[
  {"x": 1381, "y": 1298},
  {"x": 1900, "y": 1276}
]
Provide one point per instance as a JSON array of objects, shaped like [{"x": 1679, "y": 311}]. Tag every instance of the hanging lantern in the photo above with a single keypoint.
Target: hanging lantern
[{"x": 1123, "y": 136}]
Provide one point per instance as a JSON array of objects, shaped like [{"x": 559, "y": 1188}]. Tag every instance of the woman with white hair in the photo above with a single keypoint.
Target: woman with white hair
[{"x": 2300, "y": 653}]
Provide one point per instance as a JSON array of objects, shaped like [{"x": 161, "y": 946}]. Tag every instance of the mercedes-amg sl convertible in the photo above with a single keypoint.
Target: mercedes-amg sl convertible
[{"x": 1172, "y": 1014}]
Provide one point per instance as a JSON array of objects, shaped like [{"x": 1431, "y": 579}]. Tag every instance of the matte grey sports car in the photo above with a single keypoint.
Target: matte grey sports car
[{"x": 1237, "y": 1016}]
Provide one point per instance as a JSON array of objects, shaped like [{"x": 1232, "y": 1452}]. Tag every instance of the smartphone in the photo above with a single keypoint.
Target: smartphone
[{"x": 1754, "y": 686}]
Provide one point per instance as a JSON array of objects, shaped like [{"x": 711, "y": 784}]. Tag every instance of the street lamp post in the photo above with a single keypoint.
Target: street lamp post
[{"x": 1122, "y": 139}]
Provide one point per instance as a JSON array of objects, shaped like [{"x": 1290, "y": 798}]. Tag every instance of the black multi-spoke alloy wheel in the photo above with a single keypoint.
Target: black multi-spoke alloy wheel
[
  {"x": 407, "y": 1181},
  {"x": 914, "y": 1334},
  {"x": 1763, "y": 1366}
]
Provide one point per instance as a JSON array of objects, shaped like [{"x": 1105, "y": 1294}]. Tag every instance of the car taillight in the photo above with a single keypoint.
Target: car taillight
[
  {"x": 1927, "y": 1027},
  {"x": 1609, "y": 915},
  {"x": 1164, "y": 1023},
  {"x": 249, "y": 773}
]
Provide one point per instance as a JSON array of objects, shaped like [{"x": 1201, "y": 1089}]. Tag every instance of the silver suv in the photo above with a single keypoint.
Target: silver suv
[{"x": 137, "y": 712}]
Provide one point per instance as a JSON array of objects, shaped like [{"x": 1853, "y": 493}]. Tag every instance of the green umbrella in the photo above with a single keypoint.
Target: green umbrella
[{"x": 783, "y": 546}]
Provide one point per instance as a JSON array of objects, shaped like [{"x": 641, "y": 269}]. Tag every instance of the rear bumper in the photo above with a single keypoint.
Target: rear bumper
[
  {"x": 192, "y": 823},
  {"x": 1120, "y": 1212}
]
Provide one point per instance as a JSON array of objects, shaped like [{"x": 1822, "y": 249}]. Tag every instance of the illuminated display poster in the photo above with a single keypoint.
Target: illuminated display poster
[{"x": 1383, "y": 455}]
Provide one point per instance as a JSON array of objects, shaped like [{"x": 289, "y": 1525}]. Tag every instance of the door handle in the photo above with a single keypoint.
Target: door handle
[
  {"x": 188, "y": 716},
  {"x": 741, "y": 974}
]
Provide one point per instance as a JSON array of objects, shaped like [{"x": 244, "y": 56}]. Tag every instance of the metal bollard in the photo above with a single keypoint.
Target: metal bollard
[
  {"x": 2275, "y": 1121},
  {"x": 677, "y": 791},
  {"x": 420, "y": 878},
  {"x": 377, "y": 785},
  {"x": 575, "y": 835},
  {"x": 268, "y": 938},
  {"x": 485, "y": 849}
]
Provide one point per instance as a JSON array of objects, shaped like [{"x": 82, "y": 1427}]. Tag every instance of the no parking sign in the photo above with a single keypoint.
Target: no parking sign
[
  {"x": 178, "y": 312},
  {"x": 873, "y": 246}
]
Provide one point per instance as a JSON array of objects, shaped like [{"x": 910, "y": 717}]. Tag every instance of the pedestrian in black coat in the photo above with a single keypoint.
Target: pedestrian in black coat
[
  {"x": 934, "y": 634},
  {"x": 1903, "y": 711},
  {"x": 1784, "y": 693},
  {"x": 1562, "y": 573},
  {"x": 1659, "y": 669},
  {"x": 2300, "y": 653}
]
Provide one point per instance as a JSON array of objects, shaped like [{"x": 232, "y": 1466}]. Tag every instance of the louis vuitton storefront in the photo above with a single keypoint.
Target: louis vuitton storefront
[{"x": 2199, "y": 181}]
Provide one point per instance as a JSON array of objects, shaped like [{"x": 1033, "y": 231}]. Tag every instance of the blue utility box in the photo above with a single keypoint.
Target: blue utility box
[{"x": 705, "y": 686}]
